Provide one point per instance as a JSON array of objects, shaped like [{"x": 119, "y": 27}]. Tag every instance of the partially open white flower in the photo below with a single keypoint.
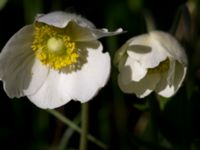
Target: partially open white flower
[
  {"x": 54, "y": 60},
  {"x": 151, "y": 62}
]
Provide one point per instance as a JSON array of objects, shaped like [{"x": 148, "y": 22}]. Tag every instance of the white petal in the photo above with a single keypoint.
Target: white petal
[
  {"x": 79, "y": 28},
  {"x": 163, "y": 88},
  {"x": 18, "y": 66},
  {"x": 17, "y": 76},
  {"x": 49, "y": 95},
  {"x": 38, "y": 74},
  {"x": 146, "y": 50},
  {"x": 167, "y": 89},
  {"x": 80, "y": 33},
  {"x": 134, "y": 70},
  {"x": 142, "y": 88},
  {"x": 104, "y": 32},
  {"x": 171, "y": 45},
  {"x": 120, "y": 56},
  {"x": 61, "y": 19},
  {"x": 180, "y": 74},
  {"x": 81, "y": 85},
  {"x": 84, "y": 84},
  {"x": 125, "y": 75},
  {"x": 171, "y": 71}
]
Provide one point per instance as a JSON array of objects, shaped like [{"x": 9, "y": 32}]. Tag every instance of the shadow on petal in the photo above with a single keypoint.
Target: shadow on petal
[
  {"x": 126, "y": 75},
  {"x": 141, "y": 49},
  {"x": 167, "y": 89},
  {"x": 20, "y": 72},
  {"x": 141, "y": 88},
  {"x": 18, "y": 76},
  {"x": 83, "y": 55}
]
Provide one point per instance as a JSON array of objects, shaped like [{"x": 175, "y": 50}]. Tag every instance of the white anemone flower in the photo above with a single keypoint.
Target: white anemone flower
[
  {"x": 151, "y": 62},
  {"x": 56, "y": 59}
]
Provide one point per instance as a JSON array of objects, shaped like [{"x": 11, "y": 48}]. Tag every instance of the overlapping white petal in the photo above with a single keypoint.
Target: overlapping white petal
[
  {"x": 168, "y": 88},
  {"x": 144, "y": 52},
  {"x": 138, "y": 73},
  {"x": 24, "y": 75},
  {"x": 149, "y": 54},
  {"x": 79, "y": 28},
  {"x": 59, "y": 88},
  {"x": 142, "y": 88},
  {"x": 61, "y": 19},
  {"x": 49, "y": 95},
  {"x": 170, "y": 45},
  {"x": 86, "y": 83},
  {"x": 18, "y": 64}
]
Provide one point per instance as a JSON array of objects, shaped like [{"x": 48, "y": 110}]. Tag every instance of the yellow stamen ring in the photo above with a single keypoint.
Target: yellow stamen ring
[{"x": 53, "y": 47}]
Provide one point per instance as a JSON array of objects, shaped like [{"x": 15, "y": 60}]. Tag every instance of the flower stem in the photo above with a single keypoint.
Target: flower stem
[
  {"x": 84, "y": 128},
  {"x": 67, "y": 134},
  {"x": 154, "y": 118},
  {"x": 150, "y": 24},
  {"x": 72, "y": 125}
]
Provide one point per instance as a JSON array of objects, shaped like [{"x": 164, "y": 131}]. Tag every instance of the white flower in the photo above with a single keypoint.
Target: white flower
[
  {"x": 54, "y": 60},
  {"x": 151, "y": 62}
]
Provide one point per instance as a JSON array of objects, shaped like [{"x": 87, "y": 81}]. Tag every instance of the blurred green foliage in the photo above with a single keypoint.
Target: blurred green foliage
[{"x": 121, "y": 121}]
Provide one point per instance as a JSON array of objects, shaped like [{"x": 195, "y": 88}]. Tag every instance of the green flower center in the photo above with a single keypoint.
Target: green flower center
[
  {"x": 162, "y": 67},
  {"x": 55, "y": 45}
]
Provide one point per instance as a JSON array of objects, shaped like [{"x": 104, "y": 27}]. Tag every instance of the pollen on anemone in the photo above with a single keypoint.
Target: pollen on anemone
[{"x": 56, "y": 59}]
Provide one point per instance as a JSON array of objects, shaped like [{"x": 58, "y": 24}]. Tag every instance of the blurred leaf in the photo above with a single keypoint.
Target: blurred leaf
[
  {"x": 162, "y": 101},
  {"x": 175, "y": 123},
  {"x": 135, "y": 5},
  {"x": 142, "y": 124},
  {"x": 32, "y": 10},
  {"x": 141, "y": 106},
  {"x": 181, "y": 27},
  {"x": 151, "y": 138},
  {"x": 2, "y": 4}
]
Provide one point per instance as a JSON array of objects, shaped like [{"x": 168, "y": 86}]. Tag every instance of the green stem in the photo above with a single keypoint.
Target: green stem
[
  {"x": 155, "y": 111},
  {"x": 150, "y": 24},
  {"x": 84, "y": 124},
  {"x": 67, "y": 134},
  {"x": 30, "y": 11},
  {"x": 69, "y": 123}
]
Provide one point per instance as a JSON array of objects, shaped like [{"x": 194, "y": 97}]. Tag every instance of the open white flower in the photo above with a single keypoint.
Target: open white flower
[
  {"x": 54, "y": 60},
  {"x": 151, "y": 62}
]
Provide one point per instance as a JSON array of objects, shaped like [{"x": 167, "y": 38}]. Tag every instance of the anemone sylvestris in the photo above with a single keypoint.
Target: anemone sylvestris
[
  {"x": 151, "y": 62},
  {"x": 56, "y": 59}
]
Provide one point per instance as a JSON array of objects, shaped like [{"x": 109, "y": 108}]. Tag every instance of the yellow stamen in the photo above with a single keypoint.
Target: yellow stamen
[
  {"x": 162, "y": 67},
  {"x": 53, "y": 47}
]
